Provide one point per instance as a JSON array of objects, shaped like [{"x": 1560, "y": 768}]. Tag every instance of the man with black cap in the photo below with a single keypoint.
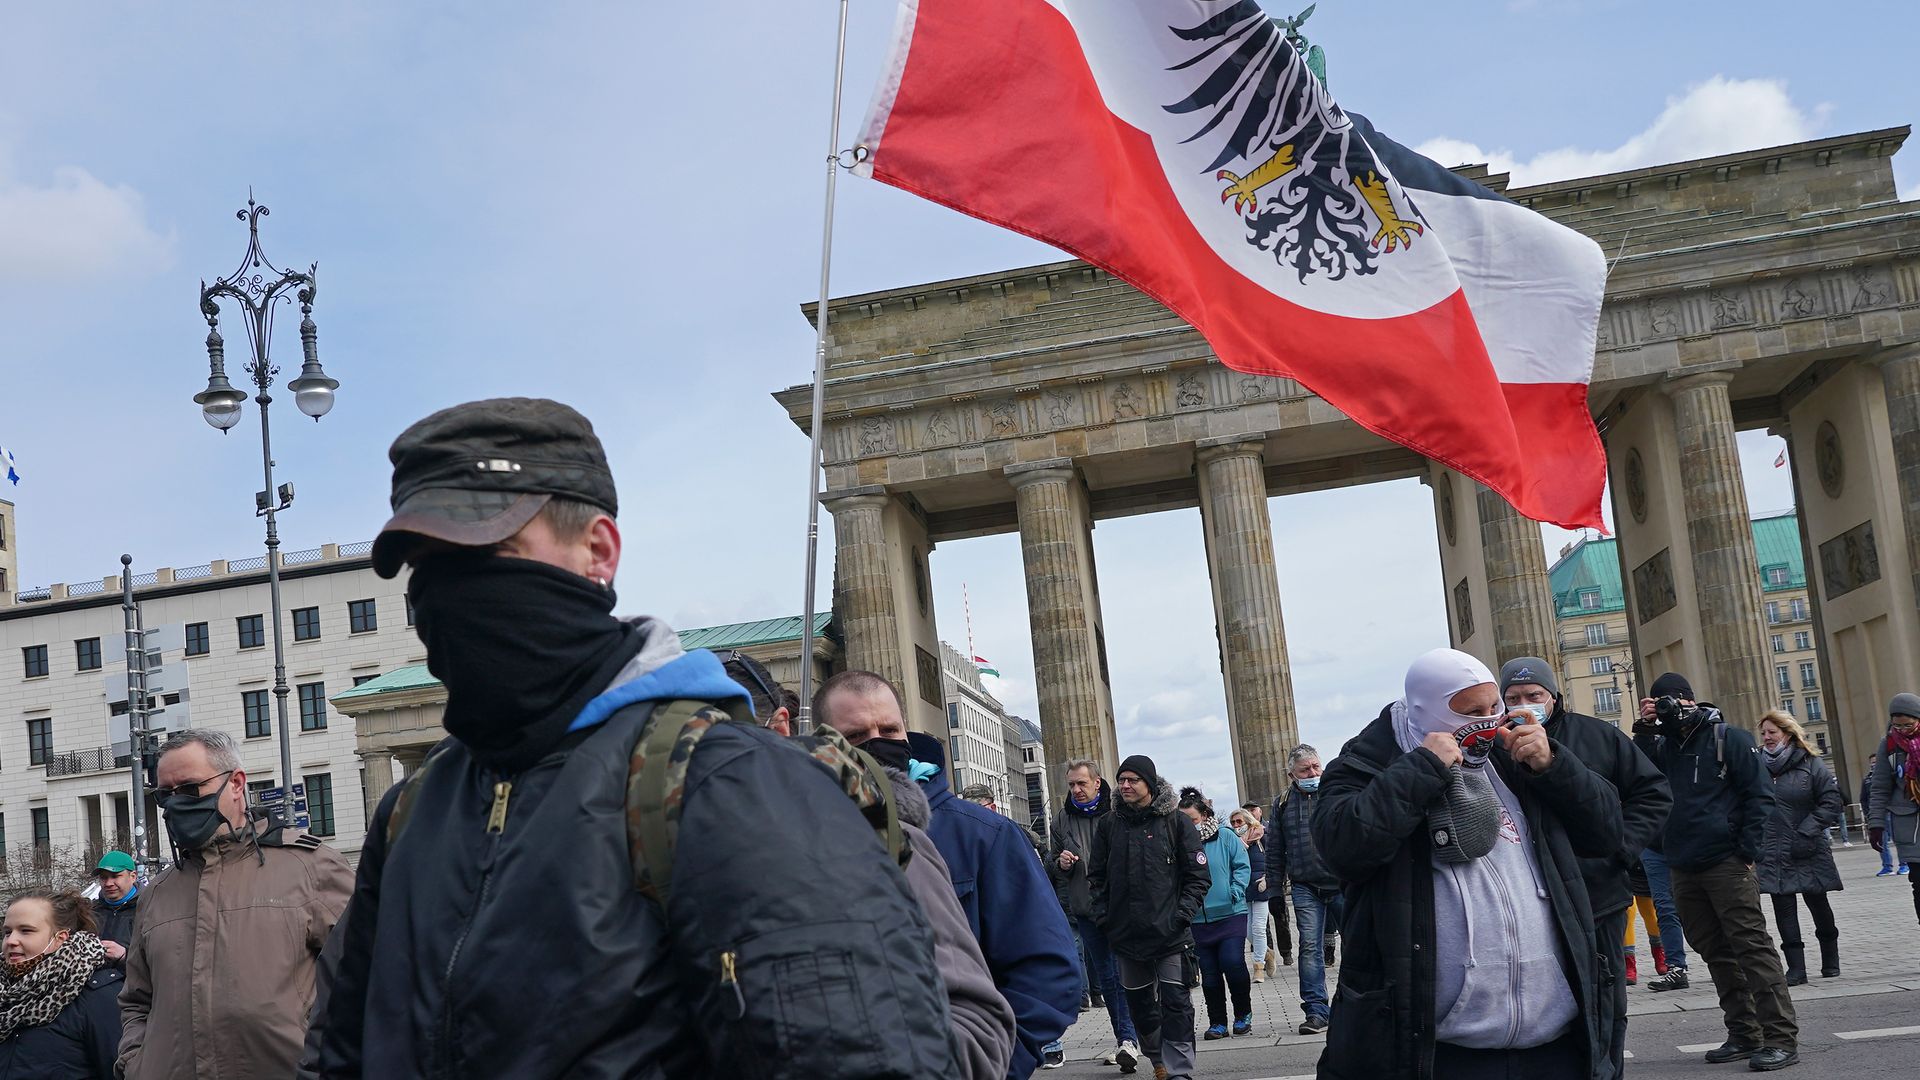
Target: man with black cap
[
  {"x": 1722, "y": 798},
  {"x": 1147, "y": 876},
  {"x": 517, "y": 928},
  {"x": 1528, "y": 684}
]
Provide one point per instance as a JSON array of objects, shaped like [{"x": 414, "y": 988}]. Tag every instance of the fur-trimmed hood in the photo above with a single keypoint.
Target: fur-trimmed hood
[
  {"x": 908, "y": 800},
  {"x": 1164, "y": 803}
]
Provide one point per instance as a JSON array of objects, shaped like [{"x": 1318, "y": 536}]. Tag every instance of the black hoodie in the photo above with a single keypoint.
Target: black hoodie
[{"x": 1645, "y": 800}]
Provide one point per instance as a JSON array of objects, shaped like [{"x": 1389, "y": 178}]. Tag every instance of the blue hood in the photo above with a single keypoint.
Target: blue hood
[{"x": 697, "y": 675}]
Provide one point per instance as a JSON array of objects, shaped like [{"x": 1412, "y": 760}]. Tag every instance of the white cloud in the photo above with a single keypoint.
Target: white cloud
[
  {"x": 76, "y": 228},
  {"x": 1719, "y": 116}
]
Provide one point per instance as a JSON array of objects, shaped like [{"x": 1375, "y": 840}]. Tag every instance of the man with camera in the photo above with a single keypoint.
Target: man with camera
[{"x": 1721, "y": 801}]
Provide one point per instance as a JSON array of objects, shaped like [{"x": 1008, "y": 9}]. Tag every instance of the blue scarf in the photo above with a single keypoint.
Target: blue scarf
[{"x": 122, "y": 902}]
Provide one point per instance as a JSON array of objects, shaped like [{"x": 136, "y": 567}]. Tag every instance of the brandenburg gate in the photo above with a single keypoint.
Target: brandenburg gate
[{"x": 1775, "y": 289}]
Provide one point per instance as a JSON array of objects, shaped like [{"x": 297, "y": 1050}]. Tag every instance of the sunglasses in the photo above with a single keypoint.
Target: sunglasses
[
  {"x": 191, "y": 789},
  {"x": 752, "y": 668}
]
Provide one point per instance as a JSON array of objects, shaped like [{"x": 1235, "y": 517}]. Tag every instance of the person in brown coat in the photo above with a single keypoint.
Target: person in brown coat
[{"x": 220, "y": 972}]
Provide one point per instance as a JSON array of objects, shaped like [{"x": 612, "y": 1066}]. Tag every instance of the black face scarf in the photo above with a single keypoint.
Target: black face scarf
[
  {"x": 893, "y": 753},
  {"x": 521, "y": 646}
]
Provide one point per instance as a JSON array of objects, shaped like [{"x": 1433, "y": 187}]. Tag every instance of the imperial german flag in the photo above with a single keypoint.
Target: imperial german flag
[{"x": 1185, "y": 146}]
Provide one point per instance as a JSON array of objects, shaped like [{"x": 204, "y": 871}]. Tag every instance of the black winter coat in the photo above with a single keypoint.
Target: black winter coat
[
  {"x": 1796, "y": 856},
  {"x": 79, "y": 1044},
  {"x": 1645, "y": 800},
  {"x": 1720, "y": 808},
  {"x": 116, "y": 923},
  {"x": 1290, "y": 848},
  {"x": 1259, "y": 889},
  {"x": 1148, "y": 877},
  {"x": 1369, "y": 827},
  {"x": 792, "y": 945}
]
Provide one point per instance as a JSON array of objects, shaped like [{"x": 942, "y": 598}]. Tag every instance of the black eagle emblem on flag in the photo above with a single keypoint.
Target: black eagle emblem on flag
[{"x": 1312, "y": 192}]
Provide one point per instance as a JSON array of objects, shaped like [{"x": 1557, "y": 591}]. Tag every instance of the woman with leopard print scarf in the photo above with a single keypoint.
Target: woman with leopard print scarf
[{"x": 59, "y": 996}]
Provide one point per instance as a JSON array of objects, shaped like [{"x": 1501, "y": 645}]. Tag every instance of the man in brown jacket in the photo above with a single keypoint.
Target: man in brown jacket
[{"x": 220, "y": 969}]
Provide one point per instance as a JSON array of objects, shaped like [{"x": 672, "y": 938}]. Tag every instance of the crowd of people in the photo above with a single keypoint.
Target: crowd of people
[{"x": 630, "y": 860}]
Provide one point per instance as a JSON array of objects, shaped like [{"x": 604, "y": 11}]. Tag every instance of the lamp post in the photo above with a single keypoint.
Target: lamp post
[{"x": 259, "y": 287}]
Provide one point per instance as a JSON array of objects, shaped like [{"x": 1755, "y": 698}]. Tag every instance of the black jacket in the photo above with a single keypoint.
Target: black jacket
[
  {"x": 116, "y": 923},
  {"x": 79, "y": 1044},
  {"x": 1796, "y": 856},
  {"x": 790, "y": 939},
  {"x": 1368, "y": 826},
  {"x": 1148, "y": 877},
  {"x": 1721, "y": 795},
  {"x": 1073, "y": 830},
  {"x": 1290, "y": 852},
  {"x": 1645, "y": 800}
]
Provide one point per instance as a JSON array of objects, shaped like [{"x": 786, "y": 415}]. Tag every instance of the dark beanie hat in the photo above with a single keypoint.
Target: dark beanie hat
[
  {"x": 1671, "y": 685},
  {"x": 1141, "y": 766},
  {"x": 1528, "y": 669},
  {"x": 1904, "y": 705}
]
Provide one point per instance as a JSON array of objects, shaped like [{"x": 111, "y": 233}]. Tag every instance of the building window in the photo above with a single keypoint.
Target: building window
[
  {"x": 86, "y": 654},
  {"x": 199, "y": 642},
  {"x": 42, "y": 831},
  {"x": 409, "y": 610},
  {"x": 1820, "y": 738},
  {"x": 1597, "y": 634},
  {"x": 319, "y": 803},
  {"x": 953, "y": 714},
  {"x": 1808, "y": 680},
  {"x": 39, "y": 739},
  {"x": 361, "y": 618},
  {"x": 1778, "y": 575},
  {"x": 1773, "y": 611},
  {"x": 34, "y": 658},
  {"x": 253, "y": 631},
  {"x": 362, "y": 679},
  {"x": 306, "y": 624},
  {"x": 1814, "y": 712},
  {"x": 1803, "y": 639},
  {"x": 1799, "y": 609},
  {"x": 1787, "y": 704},
  {"x": 253, "y": 705},
  {"x": 1590, "y": 601},
  {"x": 1606, "y": 701},
  {"x": 1781, "y": 677},
  {"x": 1779, "y": 643},
  {"x": 1599, "y": 665},
  {"x": 313, "y": 706}
]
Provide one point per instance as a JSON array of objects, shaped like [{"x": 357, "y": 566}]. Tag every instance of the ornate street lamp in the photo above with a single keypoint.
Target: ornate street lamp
[{"x": 259, "y": 288}]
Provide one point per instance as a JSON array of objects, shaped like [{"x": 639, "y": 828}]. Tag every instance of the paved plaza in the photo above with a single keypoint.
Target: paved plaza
[{"x": 1869, "y": 1016}]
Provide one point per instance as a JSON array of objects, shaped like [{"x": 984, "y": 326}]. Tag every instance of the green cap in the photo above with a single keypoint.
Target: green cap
[{"x": 115, "y": 862}]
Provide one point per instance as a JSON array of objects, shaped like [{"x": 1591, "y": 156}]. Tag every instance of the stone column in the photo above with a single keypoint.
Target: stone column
[
  {"x": 1726, "y": 570},
  {"x": 863, "y": 584},
  {"x": 1253, "y": 637},
  {"x": 1063, "y": 607},
  {"x": 1518, "y": 592},
  {"x": 1900, "y": 370},
  {"x": 379, "y": 766}
]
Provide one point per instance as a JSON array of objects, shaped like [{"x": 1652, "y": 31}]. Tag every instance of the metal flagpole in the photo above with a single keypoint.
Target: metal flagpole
[
  {"x": 820, "y": 381},
  {"x": 136, "y": 707}
]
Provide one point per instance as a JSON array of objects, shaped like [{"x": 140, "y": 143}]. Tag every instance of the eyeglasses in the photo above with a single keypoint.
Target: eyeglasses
[
  {"x": 752, "y": 668},
  {"x": 162, "y": 794}
]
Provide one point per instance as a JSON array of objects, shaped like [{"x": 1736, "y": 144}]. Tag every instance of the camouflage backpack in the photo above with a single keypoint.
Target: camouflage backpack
[{"x": 657, "y": 779}]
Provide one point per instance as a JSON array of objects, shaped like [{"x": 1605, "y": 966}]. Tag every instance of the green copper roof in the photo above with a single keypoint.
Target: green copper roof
[
  {"x": 741, "y": 635},
  {"x": 411, "y": 677},
  {"x": 1586, "y": 580}
]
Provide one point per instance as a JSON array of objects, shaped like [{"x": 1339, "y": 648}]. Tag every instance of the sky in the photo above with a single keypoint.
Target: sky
[{"x": 618, "y": 205}]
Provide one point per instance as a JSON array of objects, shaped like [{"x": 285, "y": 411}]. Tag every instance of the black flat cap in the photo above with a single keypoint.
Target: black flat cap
[{"x": 475, "y": 474}]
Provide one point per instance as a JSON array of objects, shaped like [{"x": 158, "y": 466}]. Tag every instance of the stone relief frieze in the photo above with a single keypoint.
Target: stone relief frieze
[
  {"x": 1849, "y": 561},
  {"x": 940, "y": 427},
  {"x": 1663, "y": 316},
  {"x": 1800, "y": 298},
  {"x": 1191, "y": 392},
  {"x": 1126, "y": 401},
  {"x": 877, "y": 436},
  {"x": 1063, "y": 408},
  {"x": 1868, "y": 287},
  {"x": 1731, "y": 307},
  {"x": 1003, "y": 419}
]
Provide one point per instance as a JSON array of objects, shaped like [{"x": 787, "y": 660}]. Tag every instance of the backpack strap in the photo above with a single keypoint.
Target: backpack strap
[
  {"x": 403, "y": 802},
  {"x": 657, "y": 786},
  {"x": 866, "y": 782}
]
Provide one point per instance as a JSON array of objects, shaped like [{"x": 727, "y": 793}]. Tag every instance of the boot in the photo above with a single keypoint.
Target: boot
[
  {"x": 1659, "y": 958},
  {"x": 1796, "y": 964},
  {"x": 1830, "y": 956},
  {"x": 1273, "y": 962},
  {"x": 1633, "y": 970}
]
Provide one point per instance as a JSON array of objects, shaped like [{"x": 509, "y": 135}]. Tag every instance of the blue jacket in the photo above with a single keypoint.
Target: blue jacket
[
  {"x": 1228, "y": 865},
  {"x": 1015, "y": 915}
]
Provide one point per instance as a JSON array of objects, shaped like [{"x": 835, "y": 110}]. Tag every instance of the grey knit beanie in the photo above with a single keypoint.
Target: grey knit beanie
[{"x": 1905, "y": 705}]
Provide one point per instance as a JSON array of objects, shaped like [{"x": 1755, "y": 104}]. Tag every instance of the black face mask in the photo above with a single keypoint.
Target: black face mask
[
  {"x": 521, "y": 646},
  {"x": 192, "y": 822},
  {"x": 893, "y": 753}
]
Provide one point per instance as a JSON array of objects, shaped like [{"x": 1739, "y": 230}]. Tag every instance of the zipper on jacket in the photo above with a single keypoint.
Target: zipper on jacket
[
  {"x": 729, "y": 978},
  {"x": 497, "y": 817}
]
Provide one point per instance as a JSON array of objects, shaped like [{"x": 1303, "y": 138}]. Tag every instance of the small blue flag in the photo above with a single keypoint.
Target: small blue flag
[{"x": 6, "y": 461}]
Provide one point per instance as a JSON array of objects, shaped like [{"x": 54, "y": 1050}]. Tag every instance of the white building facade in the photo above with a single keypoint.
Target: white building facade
[
  {"x": 976, "y": 731},
  {"x": 61, "y": 785}
]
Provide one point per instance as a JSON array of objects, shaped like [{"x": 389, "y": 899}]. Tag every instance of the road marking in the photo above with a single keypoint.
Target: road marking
[
  {"x": 1877, "y": 1033},
  {"x": 1697, "y": 1048}
]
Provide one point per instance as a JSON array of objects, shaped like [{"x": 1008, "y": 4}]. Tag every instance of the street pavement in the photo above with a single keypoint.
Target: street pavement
[{"x": 1864, "y": 1023}]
